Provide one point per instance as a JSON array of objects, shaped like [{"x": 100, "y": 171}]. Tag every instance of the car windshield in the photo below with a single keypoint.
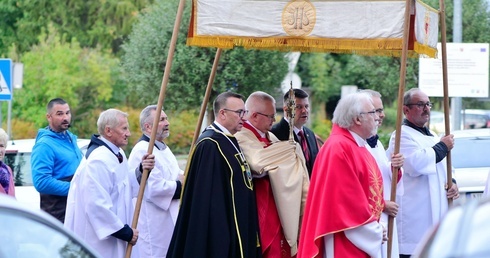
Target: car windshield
[
  {"x": 20, "y": 163},
  {"x": 24, "y": 236},
  {"x": 471, "y": 152}
]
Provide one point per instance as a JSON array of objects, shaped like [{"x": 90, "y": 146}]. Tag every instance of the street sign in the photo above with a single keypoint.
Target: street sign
[{"x": 5, "y": 79}]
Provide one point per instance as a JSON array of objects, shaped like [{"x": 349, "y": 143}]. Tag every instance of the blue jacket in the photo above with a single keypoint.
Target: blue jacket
[{"x": 54, "y": 156}]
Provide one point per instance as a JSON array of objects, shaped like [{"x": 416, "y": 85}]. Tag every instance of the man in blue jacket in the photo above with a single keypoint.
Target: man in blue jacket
[{"x": 55, "y": 157}]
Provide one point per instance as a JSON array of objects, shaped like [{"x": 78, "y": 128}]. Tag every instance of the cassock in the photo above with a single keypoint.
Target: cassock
[
  {"x": 382, "y": 159},
  {"x": 344, "y": 202},
  {"x": 424, "y": 200},
  {"x": 285, "y": 167},
  {"x": 159, "y": 207},
  {"x": 99, "y": 200},
  {"x": 218, "y": 214}
]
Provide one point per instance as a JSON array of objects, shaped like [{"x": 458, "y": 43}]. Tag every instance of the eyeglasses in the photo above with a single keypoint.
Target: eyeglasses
[
  {"x": 372, "y": 113},
  {"x": 240, "y": 112},
  {"x": 421, "y": 104},
  {"x": 380, "y": 110},
  {"x": 272, "y": 117}
]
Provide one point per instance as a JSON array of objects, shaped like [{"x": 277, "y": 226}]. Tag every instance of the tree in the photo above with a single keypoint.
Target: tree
[
  {"x": 92, "y": 23},
  {"x": 9, "y": 13},
  {"x": 57, "y": 68},
  {"x": 145, "y": 54}
]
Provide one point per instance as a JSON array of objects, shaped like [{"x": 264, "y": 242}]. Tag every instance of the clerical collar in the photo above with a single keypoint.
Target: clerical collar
[
  {"x": 222, "y": 128},
  {"x": 359, "y": 140},
  {"x": 111, "y": 145},
  {"x": 423, "y": 130},
  {"x": 257, "y": 130}
]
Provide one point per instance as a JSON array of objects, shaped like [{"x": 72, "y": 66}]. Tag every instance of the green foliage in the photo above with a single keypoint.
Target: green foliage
[
  {"x": 92, "y": 23},
  {"x": 56, "y": 68},
  {"x": 322, "y": 127},
  {"x": 9, "y": 13},
  {"x": 144, "y": 60},
  {"x": 182, "y": 128}
]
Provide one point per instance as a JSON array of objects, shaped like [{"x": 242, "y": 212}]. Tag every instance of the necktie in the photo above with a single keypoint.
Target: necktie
[
  {"x": 304, "y": 145},
  {"x": 119, "y": 157}
]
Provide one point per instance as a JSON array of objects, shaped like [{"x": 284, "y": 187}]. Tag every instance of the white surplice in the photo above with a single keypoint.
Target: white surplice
[
  {"x": 99, "y": 202},
  {"x": 424, "y": 200},
  {"x": 384, "y": 164},
  {"x": 159, "y": 211}
]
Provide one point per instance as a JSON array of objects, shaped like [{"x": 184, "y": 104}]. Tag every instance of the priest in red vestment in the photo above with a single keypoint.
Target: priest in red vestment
[
  {"x": 345, "y": 198},
  {"x": 280, "y": 178}
]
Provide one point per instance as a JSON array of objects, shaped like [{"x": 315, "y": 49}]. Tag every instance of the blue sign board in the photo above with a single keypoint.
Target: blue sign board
[{"x": 5, "y": 79}]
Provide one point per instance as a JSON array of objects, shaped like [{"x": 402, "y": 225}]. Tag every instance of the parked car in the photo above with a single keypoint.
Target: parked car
[
  {"x": 475, "y": 118},
  {"x": 470, "y": 119},
  {"x": 18, "y": 157},
  {"x": 33, "y": 233},
  {"x": 436, "y": 122},
  {"x": 463, "y": 232},
  {"x": 470, "y": 161}
]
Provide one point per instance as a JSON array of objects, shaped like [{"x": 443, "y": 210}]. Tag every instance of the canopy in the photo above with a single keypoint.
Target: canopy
[{"x": 362, "y": 27}]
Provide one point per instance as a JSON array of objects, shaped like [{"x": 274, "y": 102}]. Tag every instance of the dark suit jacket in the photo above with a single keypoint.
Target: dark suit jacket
[{"x": 281, "y": 130}]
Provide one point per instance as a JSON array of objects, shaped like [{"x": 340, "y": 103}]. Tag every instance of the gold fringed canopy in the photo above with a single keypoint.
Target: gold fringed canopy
[{"x": 361, "y": 27}]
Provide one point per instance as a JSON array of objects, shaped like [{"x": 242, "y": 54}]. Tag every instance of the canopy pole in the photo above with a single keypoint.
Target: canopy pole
[
  {"x": 207, "y": 95},
  {"x": 442, "y": 17},
  {"x": 399, "y": 117},
  {"x": 203, "y": 107},
  {"x": 156, "y": 120}
]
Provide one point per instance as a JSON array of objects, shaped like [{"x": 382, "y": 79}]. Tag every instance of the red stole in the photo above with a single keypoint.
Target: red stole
[
  {"x": 273, "y": 242},
  {"x": 346, "y": 191}
]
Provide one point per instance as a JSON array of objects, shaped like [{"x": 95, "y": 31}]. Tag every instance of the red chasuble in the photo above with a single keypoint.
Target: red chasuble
[{"x": 346, "y": 191}]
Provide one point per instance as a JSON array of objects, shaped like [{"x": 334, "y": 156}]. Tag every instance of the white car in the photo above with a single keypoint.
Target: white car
[
  {"x": 18, "y": 157},
  {"x": 463, "y": 232},
  {"x": 27, "y": 232},
  {"x": 470, "y": 161}
]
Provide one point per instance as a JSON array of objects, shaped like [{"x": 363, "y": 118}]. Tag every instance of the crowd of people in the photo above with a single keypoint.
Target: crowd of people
[{"x": 252, "y": 188}]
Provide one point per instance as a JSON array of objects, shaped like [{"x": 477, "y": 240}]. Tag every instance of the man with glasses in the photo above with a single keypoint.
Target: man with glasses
[
  {"x": 302, "y": 134},
  {"x": 218, "y": 213},
  {"x": 280, "y": 177},
  {"x": 424, "y": 200},
  {"x": 386, "y": 162},
  {"x": 345, "y": 199}
]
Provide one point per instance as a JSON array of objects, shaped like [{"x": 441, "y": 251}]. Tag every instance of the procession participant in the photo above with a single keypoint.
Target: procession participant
[
  {"x": 218, "y": 215},
  {"x": 99, "y": 208},
  {"x": 160, "y": 204},
  {"x": 302, "y": 134},
  {"x": 424, "y": 199},
  {"x": 345, "y": 199},
  {"x": 280, "y": 178}
]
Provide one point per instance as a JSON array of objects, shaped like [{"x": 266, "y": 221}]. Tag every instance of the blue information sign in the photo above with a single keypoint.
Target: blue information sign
[{"x": 5, "y": 79}]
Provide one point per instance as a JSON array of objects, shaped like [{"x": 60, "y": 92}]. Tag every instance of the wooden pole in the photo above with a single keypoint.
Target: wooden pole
[
  {"x": 206, "y": 96},
  {"x": 399, "y": 117},
  {"x": 204, "y": 106},
  {"x": 156, "y": 120},
  {"x": 442, "y": 17}
]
